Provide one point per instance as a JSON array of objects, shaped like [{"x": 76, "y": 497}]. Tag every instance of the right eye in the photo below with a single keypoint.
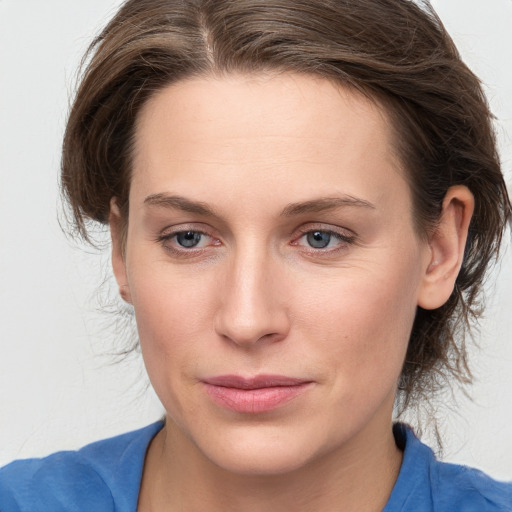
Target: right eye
[
  {"x": 183, "y": 242},
  {"x": 188, "y": 239}
]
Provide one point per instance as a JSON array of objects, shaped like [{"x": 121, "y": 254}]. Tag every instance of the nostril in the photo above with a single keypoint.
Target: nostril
[{"x": 247, "y": 330}]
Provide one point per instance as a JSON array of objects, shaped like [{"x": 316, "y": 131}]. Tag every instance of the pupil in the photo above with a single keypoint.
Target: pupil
[
  {"x": 318, "y": 239},
  {"x": 188, "y": 238}
]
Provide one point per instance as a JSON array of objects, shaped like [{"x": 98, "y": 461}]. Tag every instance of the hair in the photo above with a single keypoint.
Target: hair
[{"x": 393, "y": 51}]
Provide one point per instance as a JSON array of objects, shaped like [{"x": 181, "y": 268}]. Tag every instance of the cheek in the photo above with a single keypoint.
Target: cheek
[
  {"x": 173, "y": 315},
  {"x": 169, "y": 300},
  {"x": 362, "y": 319}
]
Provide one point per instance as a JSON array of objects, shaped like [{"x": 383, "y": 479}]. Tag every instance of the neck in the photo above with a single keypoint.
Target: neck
[{"x": 177, "y": 476}]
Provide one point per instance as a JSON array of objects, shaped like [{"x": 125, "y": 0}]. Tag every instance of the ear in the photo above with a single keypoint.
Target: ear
[
  {"x": 447, "y": 245},
  {"x": 118, "y": 251}
]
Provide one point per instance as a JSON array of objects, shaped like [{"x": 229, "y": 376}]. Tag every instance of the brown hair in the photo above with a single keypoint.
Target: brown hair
[{"x": 391, "y": 50}]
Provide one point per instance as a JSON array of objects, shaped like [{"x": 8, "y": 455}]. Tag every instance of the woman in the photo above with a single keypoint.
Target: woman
[{"x": 303, "y": 199}]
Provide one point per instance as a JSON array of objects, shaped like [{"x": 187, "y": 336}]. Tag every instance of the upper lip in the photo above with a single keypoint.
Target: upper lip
[{"x": 256, "y": 382}]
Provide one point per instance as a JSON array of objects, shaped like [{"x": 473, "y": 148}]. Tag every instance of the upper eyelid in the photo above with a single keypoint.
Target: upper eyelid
[
  {"x": 327, "y": 228},
  {"x": 181, "y": 228},
  {"x": 170, "y": 233}
]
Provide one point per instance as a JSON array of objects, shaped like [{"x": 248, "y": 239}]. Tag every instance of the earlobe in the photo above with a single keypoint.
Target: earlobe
[
  {"x": 118, "y": 256},
  {"x": 447, "y": 245}
]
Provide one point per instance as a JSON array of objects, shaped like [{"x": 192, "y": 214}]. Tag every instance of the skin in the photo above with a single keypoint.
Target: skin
[{"x": 252, "y": 164}]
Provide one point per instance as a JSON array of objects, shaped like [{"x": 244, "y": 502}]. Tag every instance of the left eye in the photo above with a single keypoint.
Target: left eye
[
  {"x": 323, "y": 239},
  {"x": 318, "y": 239}
]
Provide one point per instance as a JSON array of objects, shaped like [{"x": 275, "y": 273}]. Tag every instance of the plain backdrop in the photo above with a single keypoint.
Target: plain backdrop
[{"x": 60, "y": 384}]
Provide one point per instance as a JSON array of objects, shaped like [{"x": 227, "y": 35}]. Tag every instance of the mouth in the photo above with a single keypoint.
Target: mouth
[{"x": 254, "y": 395}]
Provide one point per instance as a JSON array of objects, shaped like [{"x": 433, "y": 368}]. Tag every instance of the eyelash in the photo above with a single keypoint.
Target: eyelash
[{"x": 343, "y": 240}]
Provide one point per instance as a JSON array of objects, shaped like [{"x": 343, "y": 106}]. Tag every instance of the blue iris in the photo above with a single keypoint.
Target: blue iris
[
  {"x": 318, "y": 239},
  {"x": 188, "y": 238}
]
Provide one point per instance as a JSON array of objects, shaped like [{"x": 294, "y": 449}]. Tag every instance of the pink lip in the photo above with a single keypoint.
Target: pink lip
[{"x": 256, "y": 394}]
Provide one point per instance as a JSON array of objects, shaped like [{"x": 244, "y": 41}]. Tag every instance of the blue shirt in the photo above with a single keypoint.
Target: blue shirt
[{"x": 105, "y": 477}]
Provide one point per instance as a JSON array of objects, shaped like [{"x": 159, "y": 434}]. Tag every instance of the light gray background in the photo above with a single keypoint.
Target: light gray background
[{"x": 59, "y": 388}]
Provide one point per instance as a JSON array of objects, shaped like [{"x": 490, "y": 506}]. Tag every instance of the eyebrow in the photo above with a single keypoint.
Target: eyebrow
[
  {"x": 323, "y": 204},
  {"x": 179, "y": 203},
  {"x": 314, "y": 206}
]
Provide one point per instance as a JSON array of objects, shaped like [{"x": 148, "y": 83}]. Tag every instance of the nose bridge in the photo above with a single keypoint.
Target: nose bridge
[{"x": 251, "y": 306}]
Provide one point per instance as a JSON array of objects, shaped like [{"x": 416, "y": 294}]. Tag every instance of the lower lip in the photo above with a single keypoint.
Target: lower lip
[{"x": 254, "y": 401}]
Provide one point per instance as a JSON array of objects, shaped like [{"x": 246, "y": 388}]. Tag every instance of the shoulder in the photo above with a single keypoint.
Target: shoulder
[
  {"x": 426, "y": 484},
  {"x": 100, "y": 476},
  {"x": 470, "y": 489}
]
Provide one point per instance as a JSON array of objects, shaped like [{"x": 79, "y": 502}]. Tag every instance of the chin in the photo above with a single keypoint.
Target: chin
[
  {"x": 260, "y": 451},
  {"x": 261, "y": 462}
]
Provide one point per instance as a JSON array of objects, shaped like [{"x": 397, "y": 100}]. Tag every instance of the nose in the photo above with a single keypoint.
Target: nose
[{"x": 252, "y": 304}]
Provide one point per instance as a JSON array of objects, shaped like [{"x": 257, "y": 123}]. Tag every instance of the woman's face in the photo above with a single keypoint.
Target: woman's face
[{"x": 273, "y": 267}]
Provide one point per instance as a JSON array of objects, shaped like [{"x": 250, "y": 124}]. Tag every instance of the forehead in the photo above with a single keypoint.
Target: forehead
[
  {"x": 253, "y": 106},
  {"x": 299, "y": 132}
]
